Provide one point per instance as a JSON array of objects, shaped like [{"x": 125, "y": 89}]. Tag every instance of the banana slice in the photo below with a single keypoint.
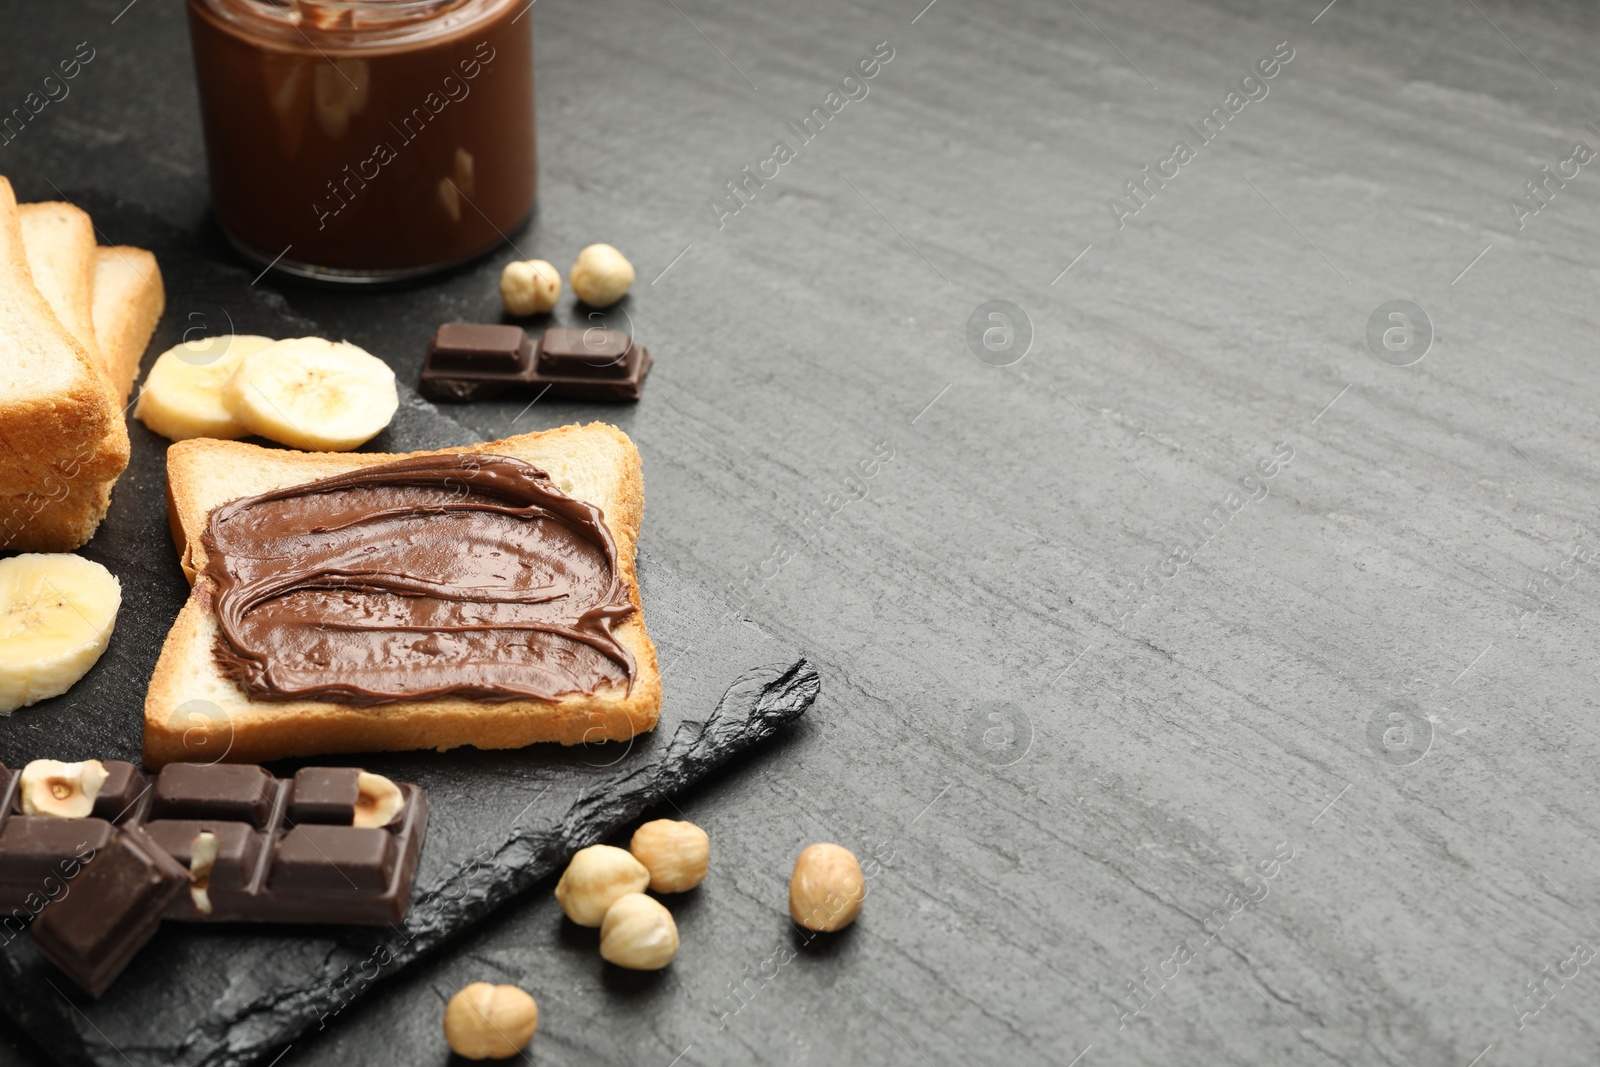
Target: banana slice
[
  {"x": 56, "y": 615},
  {"x": 182, "y": 394},
  {"x": 313, "y": 394}
]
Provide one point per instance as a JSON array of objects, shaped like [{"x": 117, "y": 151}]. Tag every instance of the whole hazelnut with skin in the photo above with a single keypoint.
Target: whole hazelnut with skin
[
  {"x": 826, "y": 889},
  {"x": 675, "y": 853},
  {"x": 490, "y": 1022},
  {"x": 638, "y": 933},
  {"x": 601, "y": 275},
  {"x": 597, "y": 876},
  {"x": 529, "y": 287}
]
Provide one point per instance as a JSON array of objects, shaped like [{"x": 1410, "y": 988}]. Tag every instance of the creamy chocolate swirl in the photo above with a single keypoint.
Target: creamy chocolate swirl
[{"x": 436, "y": 576}]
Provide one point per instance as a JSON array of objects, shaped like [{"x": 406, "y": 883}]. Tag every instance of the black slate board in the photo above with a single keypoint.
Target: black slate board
[{"x": 500, "y": 821}]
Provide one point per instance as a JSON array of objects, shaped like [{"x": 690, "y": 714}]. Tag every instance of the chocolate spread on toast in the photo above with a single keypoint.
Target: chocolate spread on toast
[{"x": 466, "y": 576}]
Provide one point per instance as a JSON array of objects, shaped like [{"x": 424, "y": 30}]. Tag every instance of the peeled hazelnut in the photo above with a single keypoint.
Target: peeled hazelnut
[
  {"x": 202, "y": 857},
  {"x": 490, "y": 1022},
  {"x": 597, "y": 876},
  {"x": 675, "y": 854},
  {"x": 378, "y": 801},
  {"x": 638, "y": 934},
  {"x": 67, "y": 790},
  {"x": 529, "y": 287},
  {"x": 601, "y": 276},
  {"x": 826, "y": 889}
]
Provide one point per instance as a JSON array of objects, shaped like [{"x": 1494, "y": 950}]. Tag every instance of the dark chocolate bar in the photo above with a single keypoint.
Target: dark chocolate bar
[
  {"x": 476, "y": 361},
  {"x": 202, "y": 843}
]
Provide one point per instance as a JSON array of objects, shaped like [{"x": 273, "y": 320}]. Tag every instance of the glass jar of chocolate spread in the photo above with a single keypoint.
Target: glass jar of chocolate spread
[{"x": 367, "y": 140}]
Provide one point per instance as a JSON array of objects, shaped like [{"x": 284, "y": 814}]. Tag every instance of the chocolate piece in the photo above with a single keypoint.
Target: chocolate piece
[
  {"x": 475, "y": 361},
  {"x": 447, "y": 575},
  {"x": 123, "y": 790},
  {"x": 325, "y": 795},
  {"x": 333, "y": 859},
  {"x": 591, "y": 364},
  {"x": 234, "y": 792},
  {"x": 114, "y": 907},
  {"x": 586, "y": 353},
  {"x": 238, "y": 850},
  {"x": 36, "y": 847}
]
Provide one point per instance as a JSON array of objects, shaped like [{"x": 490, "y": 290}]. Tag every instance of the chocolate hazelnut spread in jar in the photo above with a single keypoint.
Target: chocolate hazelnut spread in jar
[{"x": 367, "y": 140}]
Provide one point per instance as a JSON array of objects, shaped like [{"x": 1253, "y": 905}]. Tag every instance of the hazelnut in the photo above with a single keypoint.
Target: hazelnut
[
  {"x": 529, "y": 287},
  {"x": 202, "y": 857},
  {"x": 66, "y": 790},
  {"x": 826, "y": 889},
  {"x": 601, "y": 276},
  {"x": 378, "y": 800},
  {"x": 597, "y": 876},
  {"x": 490, "y": 1022},
  {"x": 638, "y": 933},
  {"x": 675, "y": 854}
]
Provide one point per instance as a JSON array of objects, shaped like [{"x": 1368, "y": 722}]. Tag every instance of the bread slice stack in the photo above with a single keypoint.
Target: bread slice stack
[
  {"x": 74, "y": 322},
  {"x": 193, "y": 711}
]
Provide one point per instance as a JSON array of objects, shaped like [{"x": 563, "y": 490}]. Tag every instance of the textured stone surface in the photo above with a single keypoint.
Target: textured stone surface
[{"x": 1391, "y": 561}]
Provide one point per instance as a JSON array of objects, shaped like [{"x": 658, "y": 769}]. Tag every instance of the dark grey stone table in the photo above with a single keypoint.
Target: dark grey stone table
[{"x": 1209, "y": 658}]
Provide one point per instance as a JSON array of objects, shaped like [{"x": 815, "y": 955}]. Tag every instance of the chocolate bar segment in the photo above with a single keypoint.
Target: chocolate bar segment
[
  {"x": 593, "y": 353},
  {"x": 325, "y": 795},
  {"x": 238, "y": 850},
  {"x": 125, "y": 786},
  {"x": 475, "y": 361},
  {"x": 340, "y": 860},
  {"x": 233, "y": 792},
  {"x": 34, "y": 848},
  {"x": 591, "y": 364},
  {"x": 113, "y": 907}
]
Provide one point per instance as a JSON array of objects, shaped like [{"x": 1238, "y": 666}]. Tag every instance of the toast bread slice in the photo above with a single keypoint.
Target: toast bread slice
[
  {"x": 128, "y": 302},
  {"x": 59, "y": 520},
  {"x": 57, "y": 416},
  {"x": 194, "y": 711},
  {"x": 59, "y": 241}
]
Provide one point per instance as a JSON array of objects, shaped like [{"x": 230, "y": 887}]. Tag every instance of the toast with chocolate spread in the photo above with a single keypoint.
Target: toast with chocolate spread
[{"x": 346, "y": 602}]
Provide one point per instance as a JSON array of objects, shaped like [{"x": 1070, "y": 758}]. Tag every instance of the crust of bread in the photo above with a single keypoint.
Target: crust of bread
[
  {"x": 128, "y": 301},
  {"x": 59, "y": 522},
  {"x": 59, "y": 242},
  {"x": 193, "y": 711},
  {"x": 57, "y": 415}
]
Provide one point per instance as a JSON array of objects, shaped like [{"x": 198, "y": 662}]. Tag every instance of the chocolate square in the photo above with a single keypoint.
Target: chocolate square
[
  {"x": 325, "y": 795},
  {"x": 333, "y": 860},
  {"x": 591, "y": 364},
  {"x": 35, "y": 847},
  {"x": 123, "y": 787},
  {"x": 238, "y": 848},
  {"x": 592, "y": 353},
  {"x": 222, "y": 791},
  {"x": 482, "y": 347},
  {"x": 474, "y": 361}
]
